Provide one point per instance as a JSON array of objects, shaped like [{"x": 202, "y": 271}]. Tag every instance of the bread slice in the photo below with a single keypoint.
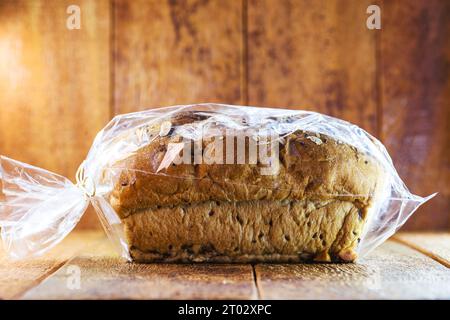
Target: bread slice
[
  {"x": 248, "y": 231},
  {"x": 313, "y": 208}
]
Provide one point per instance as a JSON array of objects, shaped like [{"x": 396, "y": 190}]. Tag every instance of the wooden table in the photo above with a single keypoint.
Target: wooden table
[{"x": 85, "y": 266}]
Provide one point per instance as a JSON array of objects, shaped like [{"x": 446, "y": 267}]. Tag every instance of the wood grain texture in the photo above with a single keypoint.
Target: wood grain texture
[
  {"x": 104, "y": 275},
  {"x": 176, "y": 52},
  {"x": 415, "y": 97},
  {"x": 57, "y": 88},
  {"x": 315, "y": 55},
  {"x": 434, "y": 245},
  {"x": 392, "y": 271},
  {"x": 54, "y": 82},
  {"x": 16, "y": 277}
]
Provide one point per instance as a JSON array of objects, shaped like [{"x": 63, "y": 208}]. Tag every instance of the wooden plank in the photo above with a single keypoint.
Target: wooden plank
[
  {"x": 415, "y": 82},
  {"x": 315, "y": 55},
  {"x": 54, "y": 82},
  {"x": 16, "y": 277},
  {"x": 176, "y": 52},
  {"x": 104, "y": 275},
  {"x": 434, "y": 245},
  {"x": 392, "y": 271}
]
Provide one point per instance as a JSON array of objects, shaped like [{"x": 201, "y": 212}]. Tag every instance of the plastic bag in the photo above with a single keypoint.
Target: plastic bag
[{"x": 40, "y": 208}]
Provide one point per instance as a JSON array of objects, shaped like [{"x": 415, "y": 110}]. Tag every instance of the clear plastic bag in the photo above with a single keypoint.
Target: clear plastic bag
[{"x": 40, "y": 208}]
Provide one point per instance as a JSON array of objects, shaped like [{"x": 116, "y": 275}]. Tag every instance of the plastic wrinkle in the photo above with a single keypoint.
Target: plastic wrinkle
[{"x": 40, "y": 208}]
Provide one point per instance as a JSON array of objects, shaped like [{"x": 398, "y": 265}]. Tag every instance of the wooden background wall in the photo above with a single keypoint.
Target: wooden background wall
[{"x": 59, "y": 87}]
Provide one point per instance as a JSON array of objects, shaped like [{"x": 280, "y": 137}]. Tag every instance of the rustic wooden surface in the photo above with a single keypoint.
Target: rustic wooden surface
[
  {"x": 105, "y": 275},
  {"x": 16, "y": 277},
  {"x": 392, "y": 271},
  {"x": 415, "y": 98},
  {"x": 176, "y": 52},
  {"x": 436, "y": 246},
  {"x": 315, "y": 55},
  {"x": 395, "y": 270},
  {"x": 59, "y": 87},
  {"x": 54, "y": 82}
]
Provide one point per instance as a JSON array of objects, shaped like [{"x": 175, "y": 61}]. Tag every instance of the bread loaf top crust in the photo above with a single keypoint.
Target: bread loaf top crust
[{"x": 311, "y": 166}]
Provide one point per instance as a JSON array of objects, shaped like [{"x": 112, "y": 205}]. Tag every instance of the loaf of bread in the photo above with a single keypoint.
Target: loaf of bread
[{"x": 313, "y": 208}]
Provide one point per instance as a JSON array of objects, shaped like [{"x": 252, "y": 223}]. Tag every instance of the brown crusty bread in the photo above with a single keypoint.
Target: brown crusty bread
[{"x": 313, "y": 209}]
